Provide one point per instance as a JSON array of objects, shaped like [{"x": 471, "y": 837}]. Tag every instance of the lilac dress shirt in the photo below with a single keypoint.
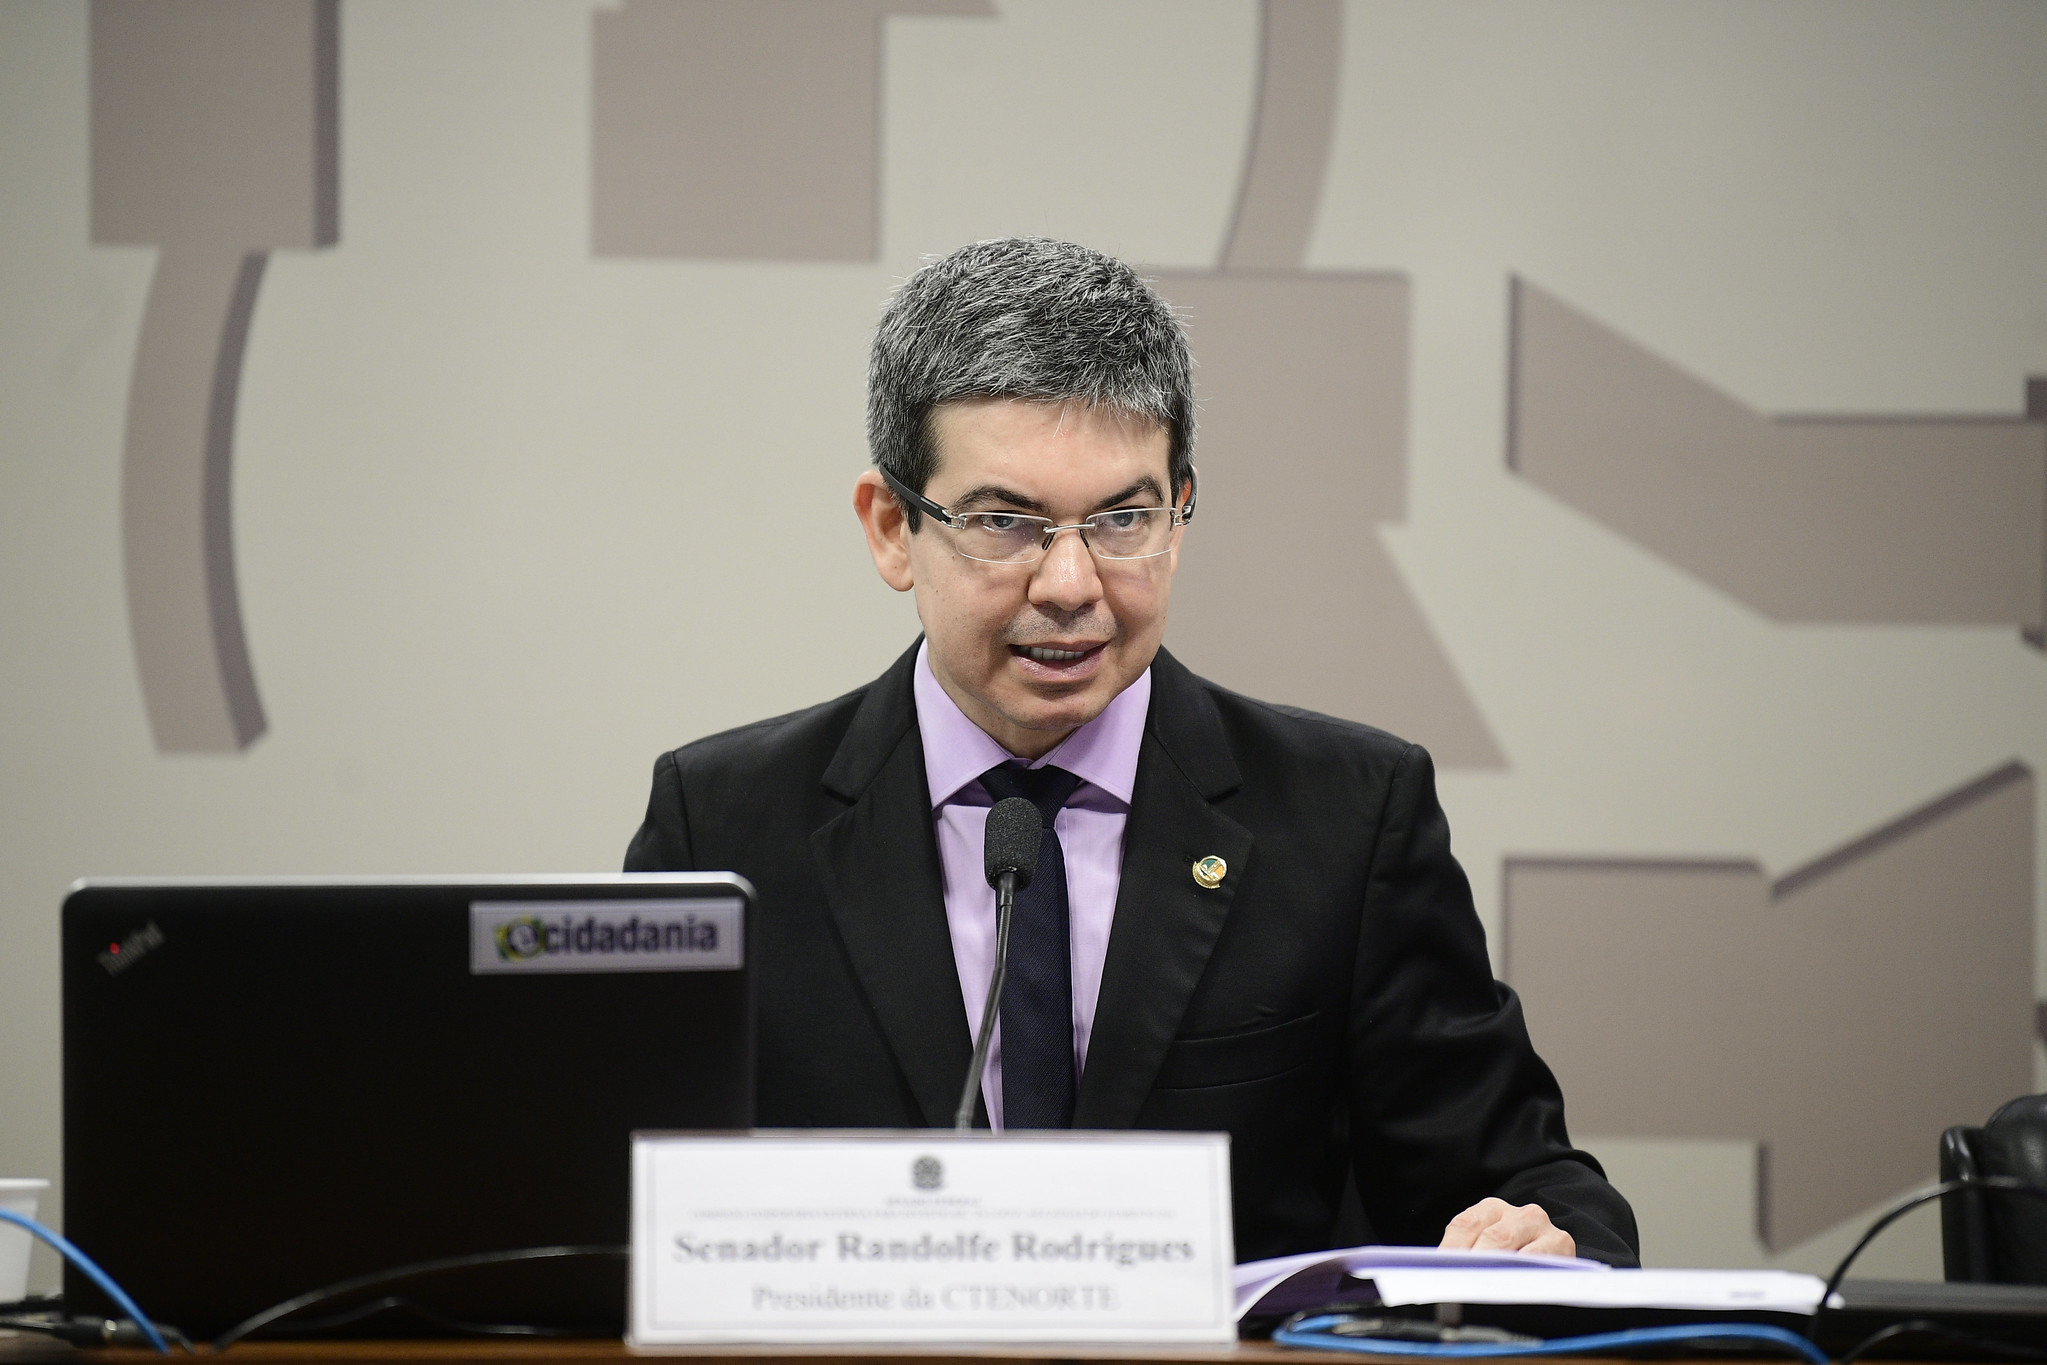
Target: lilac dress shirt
[{"x": 1103, "y": 754}]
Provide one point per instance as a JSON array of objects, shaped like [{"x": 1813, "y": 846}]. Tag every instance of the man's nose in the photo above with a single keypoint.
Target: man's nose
[{"x": 1066, "y": 578}]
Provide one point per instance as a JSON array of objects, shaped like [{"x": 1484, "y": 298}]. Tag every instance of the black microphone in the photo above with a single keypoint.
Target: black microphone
[
  {"x": 1010, "y": 857},
  {"x": 1015, "y": 831}
]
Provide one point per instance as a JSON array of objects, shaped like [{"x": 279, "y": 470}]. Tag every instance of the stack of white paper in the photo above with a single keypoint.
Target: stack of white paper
[
  {"x": 1287, "y": 1284},
  {"x": 1718, "y": 1291},
  {"x": 1422, "y": 1275}
]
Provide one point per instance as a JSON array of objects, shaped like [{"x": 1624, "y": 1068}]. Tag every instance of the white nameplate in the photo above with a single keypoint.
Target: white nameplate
[{"x": 931, "y": 1236}]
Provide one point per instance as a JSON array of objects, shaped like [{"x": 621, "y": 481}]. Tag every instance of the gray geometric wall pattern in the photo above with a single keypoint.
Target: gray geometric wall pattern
[
  {"x": 1285, "y": 589},
  {"x": 744, "y": 131},
  {"x": 214, "y": 138},
  {"x": 1938, "y": 520},
  {"x": 1835, "y": 1016},
  {"x": 1839, "y": 1017}
]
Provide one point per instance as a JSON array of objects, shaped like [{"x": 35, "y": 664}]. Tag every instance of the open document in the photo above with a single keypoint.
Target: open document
[
  {"x": 1698, "y": 1291},
  {"x": 1402, "y": 1276},
  {"x": 1289, "y": 1284}
]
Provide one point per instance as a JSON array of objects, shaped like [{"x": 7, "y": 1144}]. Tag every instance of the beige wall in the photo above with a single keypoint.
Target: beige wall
[{"x": 486, "y": 478}]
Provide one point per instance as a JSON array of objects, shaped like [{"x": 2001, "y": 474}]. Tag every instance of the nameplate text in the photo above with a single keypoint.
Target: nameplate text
[{"x": 931, "y": 1236}]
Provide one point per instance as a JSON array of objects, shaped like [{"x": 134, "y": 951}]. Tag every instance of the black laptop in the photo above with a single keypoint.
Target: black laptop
[{"x": 270, "y": 1087}]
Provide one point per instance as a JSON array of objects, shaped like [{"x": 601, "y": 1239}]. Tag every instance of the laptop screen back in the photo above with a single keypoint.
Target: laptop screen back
[{"x": 273, "y": 1087}]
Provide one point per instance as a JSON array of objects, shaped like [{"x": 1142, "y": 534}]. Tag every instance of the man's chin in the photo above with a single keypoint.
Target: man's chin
[{"x": 1058, "y": 716}]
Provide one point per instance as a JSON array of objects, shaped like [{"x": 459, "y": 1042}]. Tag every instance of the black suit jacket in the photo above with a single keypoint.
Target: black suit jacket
[{"x": 1330, "y": 1005}]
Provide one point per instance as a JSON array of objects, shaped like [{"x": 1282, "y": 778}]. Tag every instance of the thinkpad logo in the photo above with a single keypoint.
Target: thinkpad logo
[
  {"x": 119, "y": 957},
  {"x": 926, "y": 1173}
]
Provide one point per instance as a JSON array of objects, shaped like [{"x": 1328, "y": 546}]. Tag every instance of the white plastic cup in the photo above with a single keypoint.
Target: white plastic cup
[{"x": 17, "y": 1196}]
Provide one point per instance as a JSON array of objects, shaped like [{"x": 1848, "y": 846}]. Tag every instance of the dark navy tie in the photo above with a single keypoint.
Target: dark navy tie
[{"x": 1037, "y": 999}]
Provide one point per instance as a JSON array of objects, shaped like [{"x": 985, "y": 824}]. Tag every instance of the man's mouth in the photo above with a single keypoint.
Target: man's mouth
[{"x": 1065, "y": 662}]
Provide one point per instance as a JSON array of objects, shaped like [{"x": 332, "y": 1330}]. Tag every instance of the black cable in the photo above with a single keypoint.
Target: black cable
[
  {"x": 1905, "y": 1206},
  {"x": 394, "y": 1302},
  {"x": 49, "y": 1326},
  {"x": 90, "y": 1268},
  {"x": 1927, "y": 1327},
  {"x": 94, "y": 1331},
  {"x": 1883, "y": 1334},
  {"x": 35, "y": 1303},
  {"x": 277, "y": 1312}
]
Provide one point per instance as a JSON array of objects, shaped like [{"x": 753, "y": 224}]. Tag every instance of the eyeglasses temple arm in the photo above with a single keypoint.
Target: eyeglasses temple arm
[{"x": 904, "y": 494}]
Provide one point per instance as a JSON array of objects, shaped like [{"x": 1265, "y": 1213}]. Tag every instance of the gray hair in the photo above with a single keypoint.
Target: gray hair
[{"x": 1024, "y": 317}]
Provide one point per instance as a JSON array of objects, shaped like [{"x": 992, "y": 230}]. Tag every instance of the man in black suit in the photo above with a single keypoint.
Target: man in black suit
[{"x": 1266, "y": 933}]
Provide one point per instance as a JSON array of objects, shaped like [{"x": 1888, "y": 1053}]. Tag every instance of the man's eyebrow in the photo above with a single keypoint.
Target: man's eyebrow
[
  {"x": 982, "y": 495},
  {"x": 987, "y": 494},
  {"x": 1147, "y": 484}
]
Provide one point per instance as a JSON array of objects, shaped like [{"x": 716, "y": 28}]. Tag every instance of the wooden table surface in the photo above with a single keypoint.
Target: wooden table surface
[
  {"x": 471, "y": 1351},
  {"x": 513, "y": 1351}
]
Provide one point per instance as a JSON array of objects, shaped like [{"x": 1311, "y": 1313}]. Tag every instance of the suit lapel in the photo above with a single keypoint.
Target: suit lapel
[
  {"x": 879, "y": 862},
  {"x": 1166, "y": 923}
]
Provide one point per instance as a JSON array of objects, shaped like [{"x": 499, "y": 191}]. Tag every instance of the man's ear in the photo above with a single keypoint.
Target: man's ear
[
  {"x": 1180, "y": 500},
  {"x": 888, "y": 531}
]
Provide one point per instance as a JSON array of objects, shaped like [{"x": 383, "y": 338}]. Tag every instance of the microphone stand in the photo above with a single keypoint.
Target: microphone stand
[{"x": 1005, "y": 904}]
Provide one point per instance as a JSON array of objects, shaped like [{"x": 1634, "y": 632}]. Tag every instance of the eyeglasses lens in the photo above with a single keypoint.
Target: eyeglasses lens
[
  {"x": 1001, "y": 538},
  {"x": 1010, "y": 538},
  {"x": 1130, "y": 533}
]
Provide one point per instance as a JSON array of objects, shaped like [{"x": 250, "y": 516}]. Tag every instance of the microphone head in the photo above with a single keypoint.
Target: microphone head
[{"x": 1014, "y": 830}]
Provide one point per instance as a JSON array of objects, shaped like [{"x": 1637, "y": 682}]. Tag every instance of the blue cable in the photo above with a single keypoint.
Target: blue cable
[
  {"x": 1309, "y": 1333},
  {"x": 99, "y": 1277}
]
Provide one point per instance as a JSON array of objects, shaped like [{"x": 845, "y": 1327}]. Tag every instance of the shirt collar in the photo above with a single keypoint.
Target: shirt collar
[{"x": 1102, "y": 753}]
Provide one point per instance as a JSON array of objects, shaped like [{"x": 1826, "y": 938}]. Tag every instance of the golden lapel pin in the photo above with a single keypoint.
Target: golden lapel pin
[{"x": 1209, "y": 872}]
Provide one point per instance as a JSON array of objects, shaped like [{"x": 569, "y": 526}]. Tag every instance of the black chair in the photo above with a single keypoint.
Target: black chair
[{"x": 1996, "y": 1236}]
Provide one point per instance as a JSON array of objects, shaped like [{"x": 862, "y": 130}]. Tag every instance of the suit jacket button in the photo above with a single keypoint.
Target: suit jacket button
[{"x": 1209, "y": 872}]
